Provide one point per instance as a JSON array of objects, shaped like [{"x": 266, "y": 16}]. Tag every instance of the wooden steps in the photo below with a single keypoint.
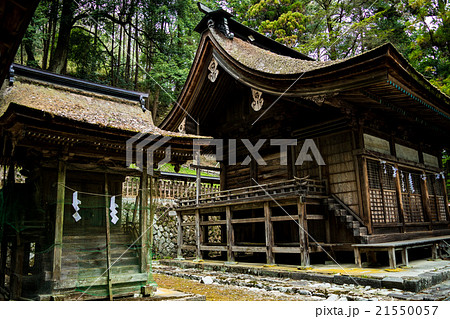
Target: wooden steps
[{"x": 358, "y": 230}]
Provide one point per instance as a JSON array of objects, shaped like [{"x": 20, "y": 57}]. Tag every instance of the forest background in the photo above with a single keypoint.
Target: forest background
[{"x": 149, "y": 45}]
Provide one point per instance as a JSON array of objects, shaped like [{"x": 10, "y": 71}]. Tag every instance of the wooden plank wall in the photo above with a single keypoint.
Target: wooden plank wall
[{"x": 337, "y": 154}]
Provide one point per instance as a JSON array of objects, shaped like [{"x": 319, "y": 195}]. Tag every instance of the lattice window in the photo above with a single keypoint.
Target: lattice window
[
  {"x": 412, "y": 197},
  {"x": 383, "y": 198},
  {"x": 437, "y": 198}
]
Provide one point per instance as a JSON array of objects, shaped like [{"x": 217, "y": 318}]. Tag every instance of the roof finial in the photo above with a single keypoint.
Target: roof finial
[{"x": 203, "y": 8}]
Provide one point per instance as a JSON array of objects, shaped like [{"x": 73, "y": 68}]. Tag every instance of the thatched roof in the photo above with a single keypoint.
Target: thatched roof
[
  {"x": 263, "y": 60},
  {"x": 81, "y": 106}
]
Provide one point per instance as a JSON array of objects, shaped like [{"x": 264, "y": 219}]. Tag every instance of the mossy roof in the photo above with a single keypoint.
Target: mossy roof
[
  {"x": 85, "y": 107},
  {"x": 266, "y": 61}
]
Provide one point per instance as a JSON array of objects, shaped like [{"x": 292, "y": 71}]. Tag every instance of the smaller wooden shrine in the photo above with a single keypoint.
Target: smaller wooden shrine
[{"x": 67, "y": 139}]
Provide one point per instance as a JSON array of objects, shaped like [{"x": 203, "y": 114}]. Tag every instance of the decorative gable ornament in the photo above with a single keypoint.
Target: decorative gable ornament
[
  {"x": 213, "y": 69},
  {"x": 258, "y": 101},
  {"x": 182, "y": 126}
]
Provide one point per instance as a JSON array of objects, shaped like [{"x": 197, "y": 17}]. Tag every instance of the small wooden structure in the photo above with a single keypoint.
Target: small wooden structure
[
  {"x": 378, "y": 124},
  {"x": 65, "y": 136}
]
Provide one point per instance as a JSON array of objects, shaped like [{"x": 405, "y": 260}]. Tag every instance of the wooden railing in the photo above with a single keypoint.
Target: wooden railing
[
  {"x": 305, "y": 187},
  {"x": 169, "y": 189}
]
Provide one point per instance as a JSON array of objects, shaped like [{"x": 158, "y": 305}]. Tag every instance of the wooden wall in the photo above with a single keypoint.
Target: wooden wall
[{"x": 340, "y": 168}]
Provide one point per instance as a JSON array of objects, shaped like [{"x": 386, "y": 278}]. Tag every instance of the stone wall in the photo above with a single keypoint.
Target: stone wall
[{"x": 165, "y": 230}]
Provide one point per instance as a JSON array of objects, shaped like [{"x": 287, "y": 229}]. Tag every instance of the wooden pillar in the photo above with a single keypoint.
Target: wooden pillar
[
  {"x": 3, "y": 257},
  {"x": 16, "y": 269},
  {"x": 143, "y": 220},
  {"x": 108, "y": 240},
  {"x": 152, "y": 217},
  {"x": 269, "y": 233},
  {"x": 179, "y": 235},
  {"x": 223, "y": 176},
  {"x": 447, "y": 212},
  {"x": 230, "y": 234},
  {"x": 198, "y": 234},
  {"x": 59, "y": 220},
  {"x": 392, "y": 261},
  {"x": 365, "y": 195},
  {"x": 405, "y": 260},
  {"x": 398, "y": 189},
  {"x": 426, "y": 199},
  {"x": 357, "y": 254},
  {"x": 303, "y": 232}
]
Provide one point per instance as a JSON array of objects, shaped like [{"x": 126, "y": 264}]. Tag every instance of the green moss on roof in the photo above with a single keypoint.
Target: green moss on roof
[
  {"x": 81, "y": 106},
  {"x": 266, "y": 61}
]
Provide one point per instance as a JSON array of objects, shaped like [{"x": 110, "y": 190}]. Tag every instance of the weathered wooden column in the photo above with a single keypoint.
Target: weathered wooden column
[
  {"x": 365, "y": 195},
  {"x": 179, "y": 235},
  {"x": 59, "y": 219},
  {"x": 426, "y": 199},
  {"x": 198, "y": 234},
  {"x": 17, "y": 256},
  {"x": 303, "y": 232},
  {"x": 3, "y": 257},
  {"x": 398, "y": 189},
  {"x": 230, "y": 234},
  {"x": 152, "y": 215},
  {"x": 143, "y": 220},
  {"x": 268, "y": 226},
  {"x": 108, "y": 241},
  {"x": 444, "y": 189}
]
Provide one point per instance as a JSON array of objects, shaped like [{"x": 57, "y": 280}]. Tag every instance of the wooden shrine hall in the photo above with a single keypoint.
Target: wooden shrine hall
[
  {"x": 378, "y": 124},
  {"x": 64, "y": 144}
]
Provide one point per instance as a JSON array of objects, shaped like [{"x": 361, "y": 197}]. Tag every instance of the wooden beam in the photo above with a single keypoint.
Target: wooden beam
[
  {"x": 303, "y": 232},
  {"x": 213, "y": 248},
  {"x": 143, "y": 220},
  {"x": 248, "y": 220},
  {"x": 59, "y": 220},
  {"x": 249, "y": 249},
  {"x": 268, "y": 226},
  {"x": 209, "y": 168},
  {"x": 179, "y": 235},
  {"x": 287, "y": 250},
  {"x": 213, "y": 222},
  {"x": 108, "y": 241},
  {"x": 283, "y": 218},
  {"x": 230, "y": 234}
]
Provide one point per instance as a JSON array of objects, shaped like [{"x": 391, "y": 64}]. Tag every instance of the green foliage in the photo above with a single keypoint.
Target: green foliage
[{"x": 106, "y": 34}]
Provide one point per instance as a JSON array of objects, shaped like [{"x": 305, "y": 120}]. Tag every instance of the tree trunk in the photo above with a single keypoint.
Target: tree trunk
[
  {"x": 155, "y": 104},
  {"x": 29, "y": 50},
  {"x": 128, "y": 59},
  {"x": 58, "y": 61}
]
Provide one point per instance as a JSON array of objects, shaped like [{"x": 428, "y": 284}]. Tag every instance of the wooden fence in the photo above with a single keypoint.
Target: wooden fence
[{"x": 169, "y": 188}]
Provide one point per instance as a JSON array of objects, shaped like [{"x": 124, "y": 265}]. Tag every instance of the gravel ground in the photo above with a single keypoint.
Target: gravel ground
[{"x": 226, "y": 286}]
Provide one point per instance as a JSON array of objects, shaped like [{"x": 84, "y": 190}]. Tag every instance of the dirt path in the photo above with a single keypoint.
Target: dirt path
[{"x": 217, "y": 292}]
